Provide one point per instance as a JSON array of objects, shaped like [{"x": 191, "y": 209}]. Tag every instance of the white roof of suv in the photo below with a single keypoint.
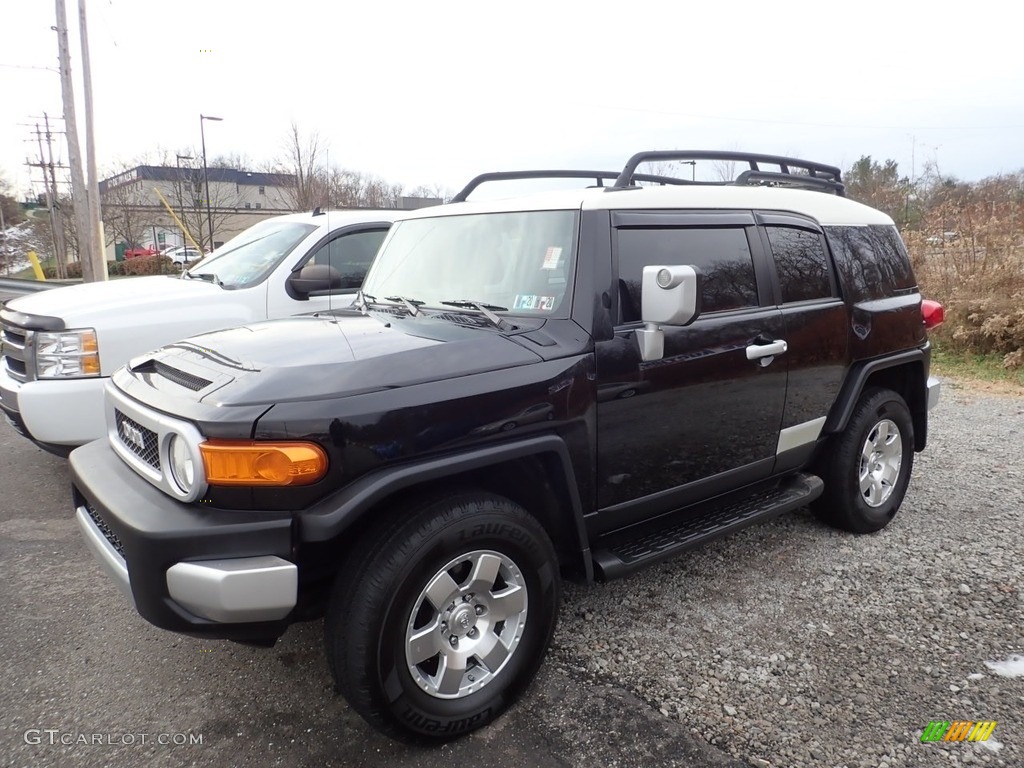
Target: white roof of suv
[
  {"x": 798, "y": 186},
  {"x": 826, "y": 209}
]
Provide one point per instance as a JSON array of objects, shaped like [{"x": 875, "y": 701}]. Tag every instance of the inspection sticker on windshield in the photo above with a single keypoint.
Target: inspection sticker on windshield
[
  {"x": 551, "y": 257},
  {"x": 530, "y": 301}
]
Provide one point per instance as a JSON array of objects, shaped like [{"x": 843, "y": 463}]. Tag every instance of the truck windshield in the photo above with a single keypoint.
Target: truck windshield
[
  {"x": 520, "y": 262},
  {"x": 246, "y": 259}
]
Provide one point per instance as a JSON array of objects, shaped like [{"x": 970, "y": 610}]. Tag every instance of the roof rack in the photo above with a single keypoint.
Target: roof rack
[
  {"x": 792, "y": 172},
  {"x": 599, "y": 178}
]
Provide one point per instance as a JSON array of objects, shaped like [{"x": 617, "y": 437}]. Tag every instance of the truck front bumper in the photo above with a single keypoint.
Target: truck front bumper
[
  {"x": 56, "y": 415},
  {"x": 188, "y": 569}
]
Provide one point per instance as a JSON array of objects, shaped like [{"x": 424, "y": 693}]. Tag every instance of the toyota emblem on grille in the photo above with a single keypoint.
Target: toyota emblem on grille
[{"x": 132, "y": 435}]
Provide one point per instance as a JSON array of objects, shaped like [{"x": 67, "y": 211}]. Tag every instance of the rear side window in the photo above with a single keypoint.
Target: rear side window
[
  {"x": 801, "y": 264},
  {"x": 721, "y": 254},
  {"x": 872, "y": 261}
]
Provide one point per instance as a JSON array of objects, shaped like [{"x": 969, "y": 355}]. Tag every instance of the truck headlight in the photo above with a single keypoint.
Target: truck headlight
[
  {"x": 67, "y": 354},
  {"x": 183, "y": 468}
]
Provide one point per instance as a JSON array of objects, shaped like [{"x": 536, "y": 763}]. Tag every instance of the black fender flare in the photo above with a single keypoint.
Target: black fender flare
[
  {"x": 857, "y": 378},
  {"x": 339, "y": 511}
]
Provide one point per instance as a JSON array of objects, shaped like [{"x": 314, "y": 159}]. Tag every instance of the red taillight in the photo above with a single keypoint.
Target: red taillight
[{"x": 932, "y": 312}]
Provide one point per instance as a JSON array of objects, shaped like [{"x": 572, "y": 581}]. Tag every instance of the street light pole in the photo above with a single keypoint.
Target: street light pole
[
  {"x": 206, "y": 175},
  {"x": 181, "y": 197}
]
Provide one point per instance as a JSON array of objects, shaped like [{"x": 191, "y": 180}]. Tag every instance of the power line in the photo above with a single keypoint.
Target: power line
[
  {"x": 1001, "y": 126},
  {"x": 29, "y": 66}
]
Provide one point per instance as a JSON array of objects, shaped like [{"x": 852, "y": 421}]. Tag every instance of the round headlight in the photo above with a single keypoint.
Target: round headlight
[{"x": 183, "y": 469}]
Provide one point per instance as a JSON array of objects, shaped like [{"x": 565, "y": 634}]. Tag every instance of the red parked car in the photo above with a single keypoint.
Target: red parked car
[{"x": 133, "y": 253}]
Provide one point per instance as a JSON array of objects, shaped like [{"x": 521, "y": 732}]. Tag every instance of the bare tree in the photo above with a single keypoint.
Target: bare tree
[
  {"x": 304, "y": 158},
  {"x": 189, "y": 203},
  {"x": 230, "y": 160},
  {"x": 725, "y": 170},
  {"x": 124, "y": 213},
  {"x": 435, "y": 191}
]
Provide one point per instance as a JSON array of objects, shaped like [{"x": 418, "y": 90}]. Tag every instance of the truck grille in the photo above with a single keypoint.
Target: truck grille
[
  {"x": 138, "y": 439},
  {"x": 108, "y": 534},
  {"x": 13, "y": 344}
]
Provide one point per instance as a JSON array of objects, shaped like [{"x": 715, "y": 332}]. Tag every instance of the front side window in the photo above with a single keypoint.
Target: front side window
[
  {"x": 248, "y": 258},
  {"x": 721, "y": 254},
  {"x": 518, "y": 262},
  {"x": 350, "y": 255},
  {"x": 801, "y": 264}
]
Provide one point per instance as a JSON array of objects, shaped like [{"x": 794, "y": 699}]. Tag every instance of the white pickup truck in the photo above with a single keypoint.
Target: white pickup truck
[{"x": 60, "y": 346}]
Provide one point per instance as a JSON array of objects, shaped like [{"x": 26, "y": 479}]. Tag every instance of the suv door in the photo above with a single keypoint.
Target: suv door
[
  {"x": 350, "y": 251},
  {"x": 816, "y": 330},
  {"x": 705, "y": 418}
]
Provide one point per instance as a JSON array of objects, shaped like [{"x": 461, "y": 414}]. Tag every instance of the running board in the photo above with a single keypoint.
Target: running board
[{"x": 642, "y": 545}]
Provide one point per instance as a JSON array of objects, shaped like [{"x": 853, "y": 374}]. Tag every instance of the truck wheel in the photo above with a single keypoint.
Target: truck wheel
[
  {"x": 867, "y": 469},
  {"x": 445, "y": 617}
]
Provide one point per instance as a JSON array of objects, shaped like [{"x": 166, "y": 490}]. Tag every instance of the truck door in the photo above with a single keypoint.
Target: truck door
[{"x": 706, "y": 417}]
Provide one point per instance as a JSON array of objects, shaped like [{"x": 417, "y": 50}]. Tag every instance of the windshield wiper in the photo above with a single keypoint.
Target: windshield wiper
[
  {"x": 413, "y": 305},
  {"x": 209, "y": 277},
  {"x": 363, "y": 300},
  {"x": 485, "y": 310}
]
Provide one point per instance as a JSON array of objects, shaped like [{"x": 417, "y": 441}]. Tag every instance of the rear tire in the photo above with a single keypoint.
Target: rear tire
[
  {"x": 867, "y": 467},
  {"x": 445, "y": 617}
]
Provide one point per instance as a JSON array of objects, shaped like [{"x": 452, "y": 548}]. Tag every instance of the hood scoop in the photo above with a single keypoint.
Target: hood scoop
[{"x": 172, "y": 374}]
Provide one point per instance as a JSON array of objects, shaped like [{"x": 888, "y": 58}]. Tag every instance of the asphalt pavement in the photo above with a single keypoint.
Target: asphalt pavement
[{"x": 86, "y": 682}]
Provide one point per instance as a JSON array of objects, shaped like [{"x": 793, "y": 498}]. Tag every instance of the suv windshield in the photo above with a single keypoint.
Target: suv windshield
[
  {"x": 246, "y": 259},
  {"x": 519, "y": 262}
]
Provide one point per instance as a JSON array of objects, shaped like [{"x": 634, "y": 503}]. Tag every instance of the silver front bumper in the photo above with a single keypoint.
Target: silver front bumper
[
  {"x": 235, "y": 590},
  {"x": 109, "y": 558}
]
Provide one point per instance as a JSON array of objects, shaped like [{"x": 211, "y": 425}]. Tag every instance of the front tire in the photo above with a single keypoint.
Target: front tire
[
  {"x": 867, "y": 468},
  {"x": 446, "y": 616}
]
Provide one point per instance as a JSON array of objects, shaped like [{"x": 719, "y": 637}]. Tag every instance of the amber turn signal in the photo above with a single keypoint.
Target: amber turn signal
[{"x": 255, "y": 462}]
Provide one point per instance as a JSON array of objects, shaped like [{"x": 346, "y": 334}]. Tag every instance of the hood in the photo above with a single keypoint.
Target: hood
[
  {"x": 137, "y": 314},
  {"x": 321, "y": 357},
  {"x": 88, "y": 304}
]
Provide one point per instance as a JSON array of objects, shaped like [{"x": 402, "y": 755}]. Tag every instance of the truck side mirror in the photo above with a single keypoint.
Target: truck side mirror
[
  {"x": 312, "y": 278},
  {"x": 669, "y": 295}
]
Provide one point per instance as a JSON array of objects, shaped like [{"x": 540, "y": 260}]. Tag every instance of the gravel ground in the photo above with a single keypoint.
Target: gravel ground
[{"x": 791, "y": 644}]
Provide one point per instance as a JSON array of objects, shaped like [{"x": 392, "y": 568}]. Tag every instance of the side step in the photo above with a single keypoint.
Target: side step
[{"x": 649, "y": 543}]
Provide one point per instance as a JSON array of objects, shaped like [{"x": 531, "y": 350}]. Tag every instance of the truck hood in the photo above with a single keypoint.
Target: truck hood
[
  {"x": 319, "y": 357},
  {"x": 142, "y": 313},
  {"x": 90, "y": 303}
]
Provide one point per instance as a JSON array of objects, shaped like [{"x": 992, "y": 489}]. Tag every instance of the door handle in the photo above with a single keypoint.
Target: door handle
[{"x": 772, "y": 348}]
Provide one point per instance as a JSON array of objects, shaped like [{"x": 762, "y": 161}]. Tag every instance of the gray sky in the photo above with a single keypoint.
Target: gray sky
[{"x": 435, "y": 92}]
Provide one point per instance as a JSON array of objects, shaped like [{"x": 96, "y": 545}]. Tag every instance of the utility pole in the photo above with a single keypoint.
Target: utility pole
[
  {"x": 3, "y": 252},
  {"x": 48, "y": 167},
  {"x": 79, "y": 195},
  {"x": 95, "y": 232},
  {"x": 56, "y": 212}
]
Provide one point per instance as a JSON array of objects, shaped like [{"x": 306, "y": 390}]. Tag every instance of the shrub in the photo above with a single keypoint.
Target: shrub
[
  {"x": 149, "y": 265},
  {"x": 142, "y": 265}
]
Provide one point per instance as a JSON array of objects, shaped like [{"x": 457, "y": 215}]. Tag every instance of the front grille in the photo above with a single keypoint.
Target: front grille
[
  {"x": 181, "y": 378},
  {"x": 138, "y": 439},
  {"x": 108, "y": 534},
  {"x": 13, "y": 341}
]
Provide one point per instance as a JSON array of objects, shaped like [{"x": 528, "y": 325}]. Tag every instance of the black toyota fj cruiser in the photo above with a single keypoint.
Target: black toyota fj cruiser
[{"x": 575, "y": 383}]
